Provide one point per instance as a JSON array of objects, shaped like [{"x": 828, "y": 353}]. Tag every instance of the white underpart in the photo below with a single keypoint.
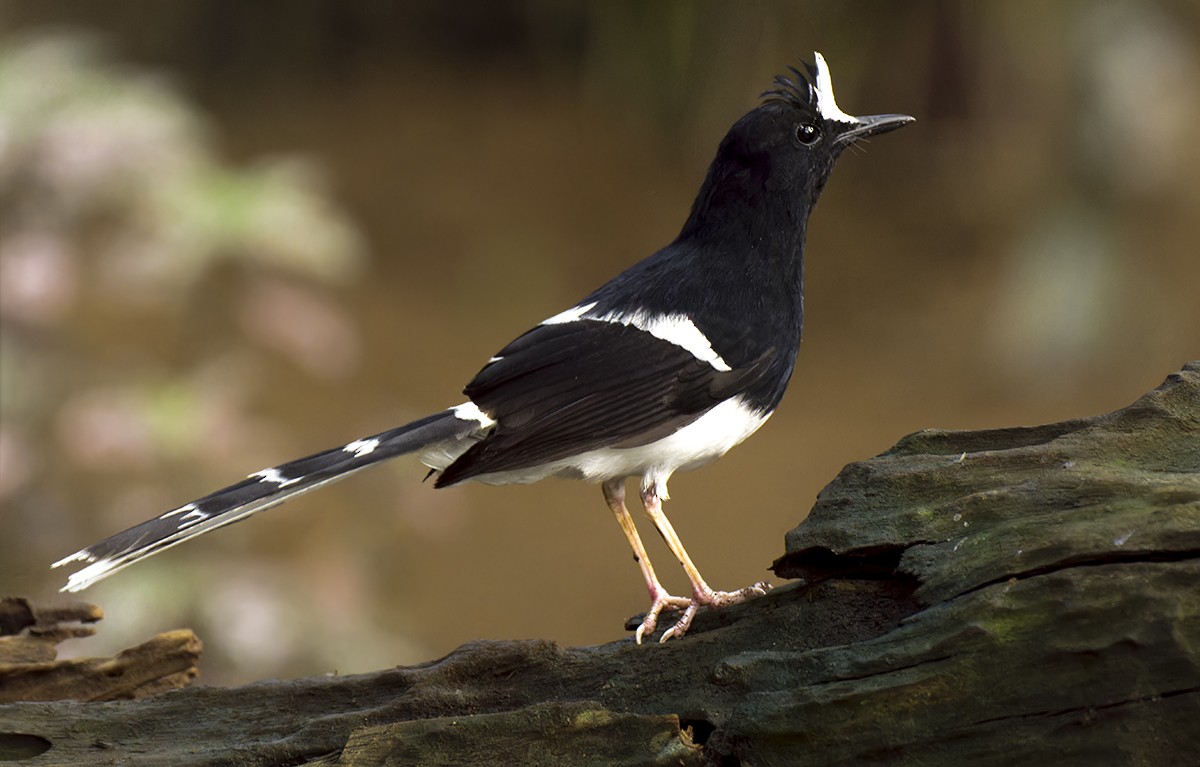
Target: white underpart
[
  {"x": 273, "y": 476},
  {"x": 702, "y": 441},
  {"x": 361, "y": 447},
  {"x": 672, "y": 328},
  {"x": 825, "y": 101}
]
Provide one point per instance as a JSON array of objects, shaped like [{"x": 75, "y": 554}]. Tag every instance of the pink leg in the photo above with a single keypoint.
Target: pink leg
[
  {"x": 614, "y": 494},
  {"x": 702, "y": 595}
]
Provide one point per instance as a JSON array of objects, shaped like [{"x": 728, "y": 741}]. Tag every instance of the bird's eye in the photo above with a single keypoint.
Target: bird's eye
[{"x": 807, "y": 133}]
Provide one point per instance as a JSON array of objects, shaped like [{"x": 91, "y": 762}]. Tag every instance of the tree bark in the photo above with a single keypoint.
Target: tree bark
[
  {"x": 29, "y": 670},
  {"x": 1012, "y": 596}
]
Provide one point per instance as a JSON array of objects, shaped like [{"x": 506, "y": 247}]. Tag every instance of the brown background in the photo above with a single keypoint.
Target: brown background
[{"x": 1026, "y": 252}]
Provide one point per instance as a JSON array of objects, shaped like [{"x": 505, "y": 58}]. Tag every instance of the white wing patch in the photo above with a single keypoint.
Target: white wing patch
[
  {"x": 570, "y": 315},
  {"x": 672, "y": 328},
  {"x": 825, "y": 101}
]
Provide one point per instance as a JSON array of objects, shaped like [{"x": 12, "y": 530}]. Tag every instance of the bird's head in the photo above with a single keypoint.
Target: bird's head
[
  {"x": 783, "y": 150},
  {"x": 801, "y": 114}
]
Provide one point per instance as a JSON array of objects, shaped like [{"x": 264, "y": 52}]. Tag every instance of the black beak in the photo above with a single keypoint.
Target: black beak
[{"x": 873, "y": 125}]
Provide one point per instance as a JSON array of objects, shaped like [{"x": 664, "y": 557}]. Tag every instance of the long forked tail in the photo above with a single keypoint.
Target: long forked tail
[{"x": 260, "y": 491}]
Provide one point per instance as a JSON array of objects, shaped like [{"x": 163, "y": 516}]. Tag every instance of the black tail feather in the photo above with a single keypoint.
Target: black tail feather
[{"x": 258, "y": 492}]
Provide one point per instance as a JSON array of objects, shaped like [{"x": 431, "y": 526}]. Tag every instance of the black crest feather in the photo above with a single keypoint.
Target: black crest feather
[{"x": 796, "y": 89}]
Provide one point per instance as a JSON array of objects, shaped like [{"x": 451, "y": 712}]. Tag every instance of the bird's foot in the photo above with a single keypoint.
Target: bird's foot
[
  {"x": 710, "y": 599},
  {"x": 706, "y": 598},
  {"x": 660, "y": 601}
]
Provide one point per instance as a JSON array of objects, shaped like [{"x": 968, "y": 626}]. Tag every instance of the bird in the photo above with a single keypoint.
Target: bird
[{"x": 663, "y": 368}]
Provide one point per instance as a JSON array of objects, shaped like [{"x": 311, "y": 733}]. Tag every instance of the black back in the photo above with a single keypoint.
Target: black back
[{"x": 736, "y": 271}]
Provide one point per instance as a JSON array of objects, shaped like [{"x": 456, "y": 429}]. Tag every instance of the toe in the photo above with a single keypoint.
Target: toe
[
  {"x": 682, "y": 625},
  {"x": 661, "y": 602}
]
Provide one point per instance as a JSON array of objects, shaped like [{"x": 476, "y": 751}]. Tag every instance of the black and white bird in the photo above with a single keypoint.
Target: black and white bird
[{"x": 663, "y": 368}]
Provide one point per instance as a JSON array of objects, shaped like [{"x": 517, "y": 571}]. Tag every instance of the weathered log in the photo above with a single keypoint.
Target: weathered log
[
  {"x": 30, "y": 670},
  {"x": 31, "y": 634},
  {"x": 1015, "y": 596}
]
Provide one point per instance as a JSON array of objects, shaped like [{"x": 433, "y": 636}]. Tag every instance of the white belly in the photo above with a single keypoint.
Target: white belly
[{"x": 704, "y": 440}]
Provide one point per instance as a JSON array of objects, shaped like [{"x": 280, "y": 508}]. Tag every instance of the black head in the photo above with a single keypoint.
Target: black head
[
  {"x": 819, "y": 120},
  {"x": 776, "y": 159}
]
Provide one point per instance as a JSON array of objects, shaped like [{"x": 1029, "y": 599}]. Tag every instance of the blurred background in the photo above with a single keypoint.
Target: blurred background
[{"x": 235, "y": 233}]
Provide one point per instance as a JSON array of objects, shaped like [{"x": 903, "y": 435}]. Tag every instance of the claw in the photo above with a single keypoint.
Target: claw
[
  {"x": 709, "y": 600},
  {"x": 682, "y": 625},
  {"x": 661, "y": 602},
  {"x": 753, "y": 590}
]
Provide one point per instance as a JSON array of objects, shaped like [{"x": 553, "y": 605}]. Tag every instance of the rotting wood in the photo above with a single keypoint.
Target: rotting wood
[
  {"x": 30, "y": 670},
  {"x": 1013, "y": 596}
]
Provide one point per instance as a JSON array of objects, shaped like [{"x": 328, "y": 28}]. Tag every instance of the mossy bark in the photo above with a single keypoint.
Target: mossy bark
[{"x": 1014, "y": 596}]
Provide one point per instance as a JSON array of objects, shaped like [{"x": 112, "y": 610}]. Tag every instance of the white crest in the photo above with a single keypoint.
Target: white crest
[{"x": 826, "y": 104}]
